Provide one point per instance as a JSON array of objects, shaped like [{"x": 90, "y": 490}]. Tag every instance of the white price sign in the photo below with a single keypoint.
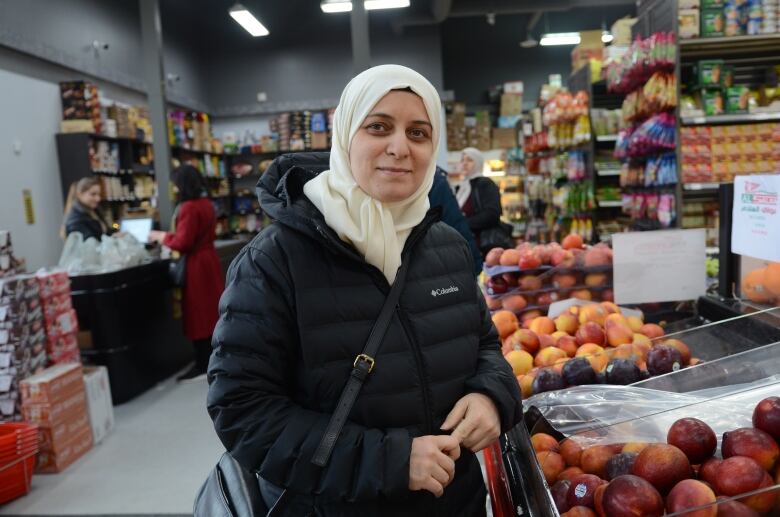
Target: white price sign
[
  {"x": 755, "y": 228},
  {"x": 660, "y": 266}
]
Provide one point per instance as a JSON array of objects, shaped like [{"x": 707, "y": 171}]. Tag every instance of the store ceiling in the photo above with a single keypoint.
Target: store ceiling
[{"x": 206, "y": 24}]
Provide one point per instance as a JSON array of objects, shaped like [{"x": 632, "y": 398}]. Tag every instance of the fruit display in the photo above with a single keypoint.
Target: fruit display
[
  {"x": 527, "y": 279},
  {"x": 683, "y": 475},
  {"x": 590, "y": 344},
  {"x": 762, "y": 285}
]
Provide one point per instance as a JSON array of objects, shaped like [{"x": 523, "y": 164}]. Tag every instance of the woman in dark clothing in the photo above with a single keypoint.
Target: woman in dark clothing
[
  {"x": 300, "y": 303},
  {"x": 82, "y": 212},
  {"x": 193, "y": 236},
  {"x": 479, "y": 199}
]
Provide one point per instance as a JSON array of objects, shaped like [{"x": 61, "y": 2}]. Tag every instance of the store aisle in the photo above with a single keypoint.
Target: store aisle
[{"x": 153, "y": 462}]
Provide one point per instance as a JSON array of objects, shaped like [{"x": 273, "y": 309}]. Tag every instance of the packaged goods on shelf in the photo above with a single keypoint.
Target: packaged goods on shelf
[
  {"x": 650, "y": 210},
  {"x": 653, "y": 54},
  {"x": 654, "y": 135},
  {"x": 55, "y": 400},
  {"x": 81, "y": 101},
  {"x": 656, "y": 171},
  {"x": 688, "y": 21},
  {"x": 606, "y": 122},
  {"x": 99, "y": 404},
  {"x": 504, "y": 138}
]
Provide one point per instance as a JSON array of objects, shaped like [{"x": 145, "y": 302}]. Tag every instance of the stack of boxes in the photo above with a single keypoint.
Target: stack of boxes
[
  {"x": 717, "y": 91},
  {"x": 478, "y": 130},
  {"x": 590, "y": 48},
  {"x": 718, "y": 153},
  {"x": 456, "y": 125},
  {"x": 121, "y": 116},
  {"x": 510, "y": 110},
  {"x": 80, "y": 107},
  {"x": 60, "y": 318},
  {"x": 9, "y": 264},
  {"x": 22, "y": 340},
  {"x": 56, "y": 401}
]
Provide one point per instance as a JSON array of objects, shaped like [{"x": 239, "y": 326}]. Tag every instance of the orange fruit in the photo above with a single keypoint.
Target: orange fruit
[{"x": 505, "y": 322}]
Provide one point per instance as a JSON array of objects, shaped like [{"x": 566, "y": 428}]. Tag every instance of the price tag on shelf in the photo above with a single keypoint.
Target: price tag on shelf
[
  {"x": 755, "y": 227},
  {"x": 660, "y": 266}
]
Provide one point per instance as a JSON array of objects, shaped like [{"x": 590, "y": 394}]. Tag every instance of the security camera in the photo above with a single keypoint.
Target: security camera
[
  {"x": 173, "y": 78},
  {"x": 99, "y": 45},
  {"x": 491, "y": 18}
]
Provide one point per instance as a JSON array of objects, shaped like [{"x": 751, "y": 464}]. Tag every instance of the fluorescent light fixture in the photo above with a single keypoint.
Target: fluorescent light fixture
[
  {"x": 606, "y": 37},
  {"x": 560, "y": 38},
  {"x": 248, "y": 21},
  {"x": 345, "y": 6}
]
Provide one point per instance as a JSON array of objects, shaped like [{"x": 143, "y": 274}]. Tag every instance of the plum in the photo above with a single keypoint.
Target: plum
[
  {"x": 663, "y": 359},
  {"x": 548, "y": 380},
  {"x": 578, "y": 371},
  {"x": 622, "y": 371},
  {"x": 620, "y": 465}
]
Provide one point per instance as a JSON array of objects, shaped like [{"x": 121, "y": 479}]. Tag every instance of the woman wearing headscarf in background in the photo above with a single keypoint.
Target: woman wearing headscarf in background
[
  {"x": 303, "y": 296},
  {"x": 82, "y": 211},
  {"x": 480, "y": 201},
  {"x": 192, "y": 235}
]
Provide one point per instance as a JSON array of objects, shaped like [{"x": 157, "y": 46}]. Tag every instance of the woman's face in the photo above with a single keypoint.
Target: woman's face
[
  {"x": 90, "y": 198},
  {"x": 467, "y": 164},
  {"x": 391, "y": 152}
]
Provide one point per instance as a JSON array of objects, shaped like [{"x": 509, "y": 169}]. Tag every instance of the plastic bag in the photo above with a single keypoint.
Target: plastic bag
[{"x": 80, "y": 257}]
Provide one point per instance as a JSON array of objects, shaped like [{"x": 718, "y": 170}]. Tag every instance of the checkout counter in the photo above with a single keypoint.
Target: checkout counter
[{"x": 128, "y": 323}]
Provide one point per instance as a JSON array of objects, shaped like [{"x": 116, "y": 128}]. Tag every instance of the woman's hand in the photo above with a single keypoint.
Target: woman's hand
[
  {"x": 157, "y": 236},
  {"x": 474, "y": 422},
  {"x": 432, "y": 463}
]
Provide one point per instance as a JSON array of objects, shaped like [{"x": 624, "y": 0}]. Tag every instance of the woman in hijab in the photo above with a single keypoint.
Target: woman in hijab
[
  {"x": 480, "y": 201},
  {"x": 300, "y": 303}
]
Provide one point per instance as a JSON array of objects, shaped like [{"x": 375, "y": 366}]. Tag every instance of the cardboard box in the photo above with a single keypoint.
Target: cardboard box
[
  {"x": 54, "y": 438},
  {"x": 713, "y": 23},
  {"x": 99, "y": 403},
  {"x": 53, "y": 413},
  {"x": 710, "y": 72},
  {"x": 511, "y": 104},
  {"x": 56, "y": 384},
  {"x": 504, "y": 138},
  {"x": 689, "y": 23},
  {"x": 319, "y": 140},
  {"x": 73, "y": 449},
  {"x": 737, "y": 99},
  {"x": 66, "y": 323},
  {"x": 52, "y": 283}
]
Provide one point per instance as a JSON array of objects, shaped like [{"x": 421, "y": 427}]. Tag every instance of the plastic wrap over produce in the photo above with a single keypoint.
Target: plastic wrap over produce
[
  {"x": 80, "y": 257},
  {"x": 595, "y": 415}
]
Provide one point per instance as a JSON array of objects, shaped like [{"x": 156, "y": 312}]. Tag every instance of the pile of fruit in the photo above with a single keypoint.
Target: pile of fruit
[
  {"x": 527, "y": 279},
  {"x": 762, "y": 285},
  {"x": 649, "y": 479},
  {"x": 592, "y": 344}
]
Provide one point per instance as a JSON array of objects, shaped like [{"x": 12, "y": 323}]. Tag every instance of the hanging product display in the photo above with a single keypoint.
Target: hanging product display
[
  {"x": 566, "y": 116},
  {"x": 644, "y": 58}
]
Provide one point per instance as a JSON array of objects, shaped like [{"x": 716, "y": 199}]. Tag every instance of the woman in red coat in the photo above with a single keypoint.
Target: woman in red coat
[{"x": 193, "y": 237}]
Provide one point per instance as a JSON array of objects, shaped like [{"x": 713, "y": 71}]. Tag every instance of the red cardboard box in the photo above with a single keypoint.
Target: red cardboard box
[
  {"x": 56, "y": 305},
  {"x": 62, "y": 324},
  {"x": 56, "y": 437},
  {"x": 55, "y": 384},
  {"x": 52, "y": 414},
  {"x": 53, "y": 283},
  {"x": 51, "y": 462}
]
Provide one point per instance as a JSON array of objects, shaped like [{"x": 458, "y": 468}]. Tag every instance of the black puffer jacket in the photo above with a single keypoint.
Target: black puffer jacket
[
  {"x": 297, "y": 309},
  {"x": 80, "y": 220}
]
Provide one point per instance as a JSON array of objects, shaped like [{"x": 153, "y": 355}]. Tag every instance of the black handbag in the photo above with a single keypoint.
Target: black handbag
[
  {"x": 177, "y": 271},
  {"x": 232, "y": 491},
  {"x": 499, "y": 236}
]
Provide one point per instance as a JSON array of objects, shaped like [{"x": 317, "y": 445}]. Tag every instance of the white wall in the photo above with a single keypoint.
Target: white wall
[{"x": 30, "y": 111}]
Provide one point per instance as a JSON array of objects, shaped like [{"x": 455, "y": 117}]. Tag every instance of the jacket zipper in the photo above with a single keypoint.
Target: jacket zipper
[{"x": 420, "y": 370}]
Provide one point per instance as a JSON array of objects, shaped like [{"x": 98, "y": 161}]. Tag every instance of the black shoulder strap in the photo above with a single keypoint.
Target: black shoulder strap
[{"x": 363, "y": 365}]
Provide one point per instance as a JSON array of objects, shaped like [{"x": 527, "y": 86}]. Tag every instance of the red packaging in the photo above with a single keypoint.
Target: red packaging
[
  {"x": 53, "y": 283},
  {"x": 52, "y": 414},
  {"x": 56, "y": 305},
  {"x": 62, "y": 324},
  {"x": 70, "y": 451},
  {"x": 55, "y": 384}
]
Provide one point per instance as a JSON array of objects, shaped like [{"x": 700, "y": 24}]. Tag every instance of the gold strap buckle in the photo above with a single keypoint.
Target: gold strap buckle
[{"x": 367, "y": 359}]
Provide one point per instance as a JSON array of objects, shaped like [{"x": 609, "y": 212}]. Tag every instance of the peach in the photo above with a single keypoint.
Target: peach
[
  {"x": 581, "y": 294},
  {"x": 579, "y": 511},
  {"x": 663, "y": 466},
  {"x": 570, "y": 473},
  {"x": 618, "y": 331},
  {"x": 583, "y": 489},
  {"x": 597, "y": 257},
  {"x": 529, "y": 316},
  {"x": 493, "y": 304},
  {"x": 738, "y": 475},
  {"x": 545, "y": 341},
  {"x": 564, "y": 280},
  {"x": 766, "y": 416},
  {"x": 595, "y": 279},
  {"x": 598, "y": 501},
  {"x": 568, "y": 344},
  {"x": 543, "y": 325},
  {"x": 594, "y": 460},
  {"x": 709, "y": 469},
  {"x": 551, "y": 464},
  {"x": 529, "y": 260},
  {"x": 643, "y": 340},
  {"x": 567, "y": 323},
  {"x": 530, "y": 283},
  {"x": 728, "y": 508},
  {"x": 572, "y": 241},
  {"x": 526, "y": 385},
  {"x": 544, "y": 442},
  {"x": 514, "y": 303},
  {"x": 522, "y": 339},
  {"x": 681, "y": 347},
  {"x": 690, "y": 493},
  {"x": 610, "y": 307},
  {"x": 493, "y": 257},
  {"x": 652, "y": 330},
  {"x": 751, "y": 443},
  {"x": 630, "y": 496},
  {"x": 625, "y": 351},
  {"x": 563, "y": 258},
  {"x": 590, "y": 332},
  {"x": 509, "y": 258},
  {"x": 634, "y": 447},
  {"x": 571, "y": 452},
  {"x": 505, "y": 322},
  {"x": 634, "y": 323},
  {"x": 762, "y": 502},
  {"x": 695, "y": 438},
  {"x": 558, "y": 335},
  {"x": 548, "y": 356},
  {"x": 520, "y": 360}
]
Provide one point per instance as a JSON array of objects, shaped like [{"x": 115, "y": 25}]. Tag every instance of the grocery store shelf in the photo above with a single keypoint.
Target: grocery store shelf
[
  {"x": 730, "y": 119},
  {"x": 607, "y": 138},
  {"x": 610, "y": 204},
  {"x": 608, "y": 172},
  {"x": 729, "y": 44}
]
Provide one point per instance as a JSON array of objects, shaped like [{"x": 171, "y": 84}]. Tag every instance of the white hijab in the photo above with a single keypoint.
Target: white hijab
[
  {"x": 377, "y": 230},
  {"x": 463, "y": 187}
]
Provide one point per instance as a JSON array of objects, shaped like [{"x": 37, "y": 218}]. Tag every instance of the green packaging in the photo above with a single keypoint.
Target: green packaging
[
  {"x": 710, "y": 72},
  {"x": 712, "y": 101},
  {"x": 737, "y": 98},
  {"x": 727, "y": 76},
  {"x": 713, "y": 23},
  {"x": 712, "y": 4}
]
